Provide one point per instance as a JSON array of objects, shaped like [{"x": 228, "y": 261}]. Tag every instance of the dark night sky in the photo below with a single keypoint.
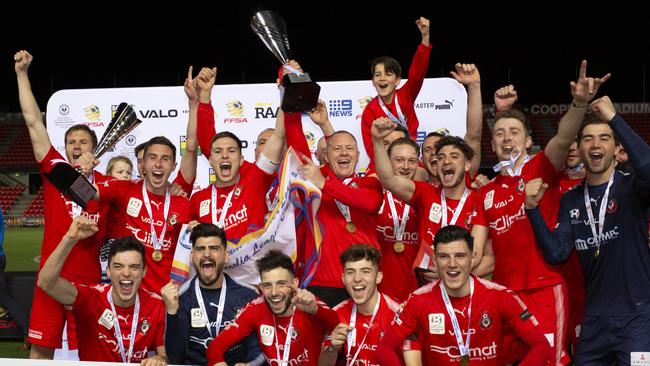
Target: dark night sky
[{"x": 96, "y": 46}]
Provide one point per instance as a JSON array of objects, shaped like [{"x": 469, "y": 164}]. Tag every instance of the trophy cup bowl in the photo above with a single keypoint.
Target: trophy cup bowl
[{"x": 301, "y": 93}]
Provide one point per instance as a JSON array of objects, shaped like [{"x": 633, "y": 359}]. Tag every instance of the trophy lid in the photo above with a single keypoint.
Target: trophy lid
[{"x": 272, "y": 30}]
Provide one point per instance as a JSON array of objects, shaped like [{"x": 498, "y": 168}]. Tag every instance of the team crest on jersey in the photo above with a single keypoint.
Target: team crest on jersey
[
  {"x": 134, "y": 206},
  {"x": 612, "y": 206},
  {"x": 267, "y": 333},
  {"x": 574, "y": 213},
  {"x": 237, "y": 191},
  {"x": 144, "y": 326},
  {"x": 489, "y": 200},
  {"x": 521, "y": 186},
  {"x": 204, "y": 208},
  {"x": 354, "y": 185},
  {"x": 485, "y": 322},
  {"x": 437, "y": 323},
  {"x": 435, "y": 213}
]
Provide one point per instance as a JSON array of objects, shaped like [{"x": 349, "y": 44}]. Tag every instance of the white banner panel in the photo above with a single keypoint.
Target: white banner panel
[{"x": 244, "y": 109}]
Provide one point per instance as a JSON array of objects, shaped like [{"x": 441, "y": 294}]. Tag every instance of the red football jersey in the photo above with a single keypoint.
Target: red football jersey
[
  {"x": 426, "y": 201},
  {"x": 306, "y": 338},
  {"x": 247, "y": 204},
  {"x": 519, "y": 263},
  {"x": 83, "y": 260},
  {"x": 363, "y": 195},
  {"x": 96, "y": 336},
  {"x": 127, "y": 197},
  {"x": 397, "y": 262},
  {"x": 375, "y": 331},
  {"x": 493, "y": 308}
]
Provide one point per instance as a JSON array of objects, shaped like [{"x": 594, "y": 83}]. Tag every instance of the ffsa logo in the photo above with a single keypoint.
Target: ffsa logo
[
  {"x": 340, "y": 108},
  {"x": 236, "y": 112}
]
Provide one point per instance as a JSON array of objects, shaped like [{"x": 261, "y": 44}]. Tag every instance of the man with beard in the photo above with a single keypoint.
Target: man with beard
[
  {"x": 152, "y": 215},
  {"x": 605, "y": 220},
  {"x": 365, "y": 316},
  {"x": 48, "y": 318},
  {"x": 519, "y": 264},
  {"x": 116, "y": 322},
  {"x": 207, "y": 305},
  {"x": 461, "y": 319},
  {"x": 290, "y": 322}
]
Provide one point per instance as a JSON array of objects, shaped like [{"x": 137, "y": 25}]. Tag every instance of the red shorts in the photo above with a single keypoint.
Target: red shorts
[
  {"x": 549, "y": 306},
  {"x": 48, "y": 318}
]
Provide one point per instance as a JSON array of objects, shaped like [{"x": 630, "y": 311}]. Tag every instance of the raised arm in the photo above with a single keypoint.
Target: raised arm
[
  {"x": 400, "y": 186},
  {"x": 468, "y": 75},
  {"x": 320, "y": 117},
  {"x": 31, "y": 113},
  {"x": 583, "y": 91},
  {"x": 504, "y": 98},
  {"x": 555, "y": 246},
  {"x": 188, "y": 160},
  {"x": 637, "y": 149},
  {"x": 274, "y": 147},
  {"x": 205, "y": 114},
  {"x": 420, "y": 63},
  {"x": 49, "y": 279}
]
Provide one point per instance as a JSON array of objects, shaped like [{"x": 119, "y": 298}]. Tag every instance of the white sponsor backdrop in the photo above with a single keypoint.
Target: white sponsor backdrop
[{"x": 244, "y": 109}]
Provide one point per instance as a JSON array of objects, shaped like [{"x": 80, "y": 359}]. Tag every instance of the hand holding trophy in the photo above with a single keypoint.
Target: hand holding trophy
[
  {"x": 301, "y": 93},
  {"x": 70, "y": 181}
]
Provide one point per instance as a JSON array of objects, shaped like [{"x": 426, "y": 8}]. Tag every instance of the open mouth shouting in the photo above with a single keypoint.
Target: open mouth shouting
[
  {"x": 226, "y": 169},
  {"x": 208, "y": 268},
  {"x": 157, "y": 176},
  {"x": 448, "y": 173},
  {"x": 596, "y": 157},
  {"x": 125, "y": 287}
]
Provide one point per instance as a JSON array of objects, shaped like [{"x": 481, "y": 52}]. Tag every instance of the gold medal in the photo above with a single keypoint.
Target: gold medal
[
  {"x": 398, "y": 246},
  {"x": 351, "y": 227},
  {"x": 464, "y": 361},
  {"x": 157, "y": 255},
  {"x": 597, "y": 252}
]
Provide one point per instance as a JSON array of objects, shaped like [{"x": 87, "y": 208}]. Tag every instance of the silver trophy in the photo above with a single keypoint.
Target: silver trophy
[
  {"x": 70, "y": 181},
  {"x": 301, "y": 93}
]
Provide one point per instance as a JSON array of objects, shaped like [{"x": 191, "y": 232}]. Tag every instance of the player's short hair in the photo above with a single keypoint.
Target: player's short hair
[
  {"x": 228, "y": 134},
  {"x": 160, "y": 140},
  {"x": 441, "y": 132},
  {"x": 459, "y": 143},
  {"x": 139, "y": 148},
  {"x": 86, "y": 129},
  {"x": 390, "y": 65},
  {"x": 114, "y": 160},
  {"x": 359, "y": 252},
  {"x": 592, "y": 119},
  {"x": 125, "y": 244},
  {"x": 451, "y": 233},
  {"x": 205, "y": 230},
  {"x": 404, "y": 141},
  {"x": 512, "y": 113},
  {"x": 402, "y": 129},
  {"x": 274, "y": 259}
]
